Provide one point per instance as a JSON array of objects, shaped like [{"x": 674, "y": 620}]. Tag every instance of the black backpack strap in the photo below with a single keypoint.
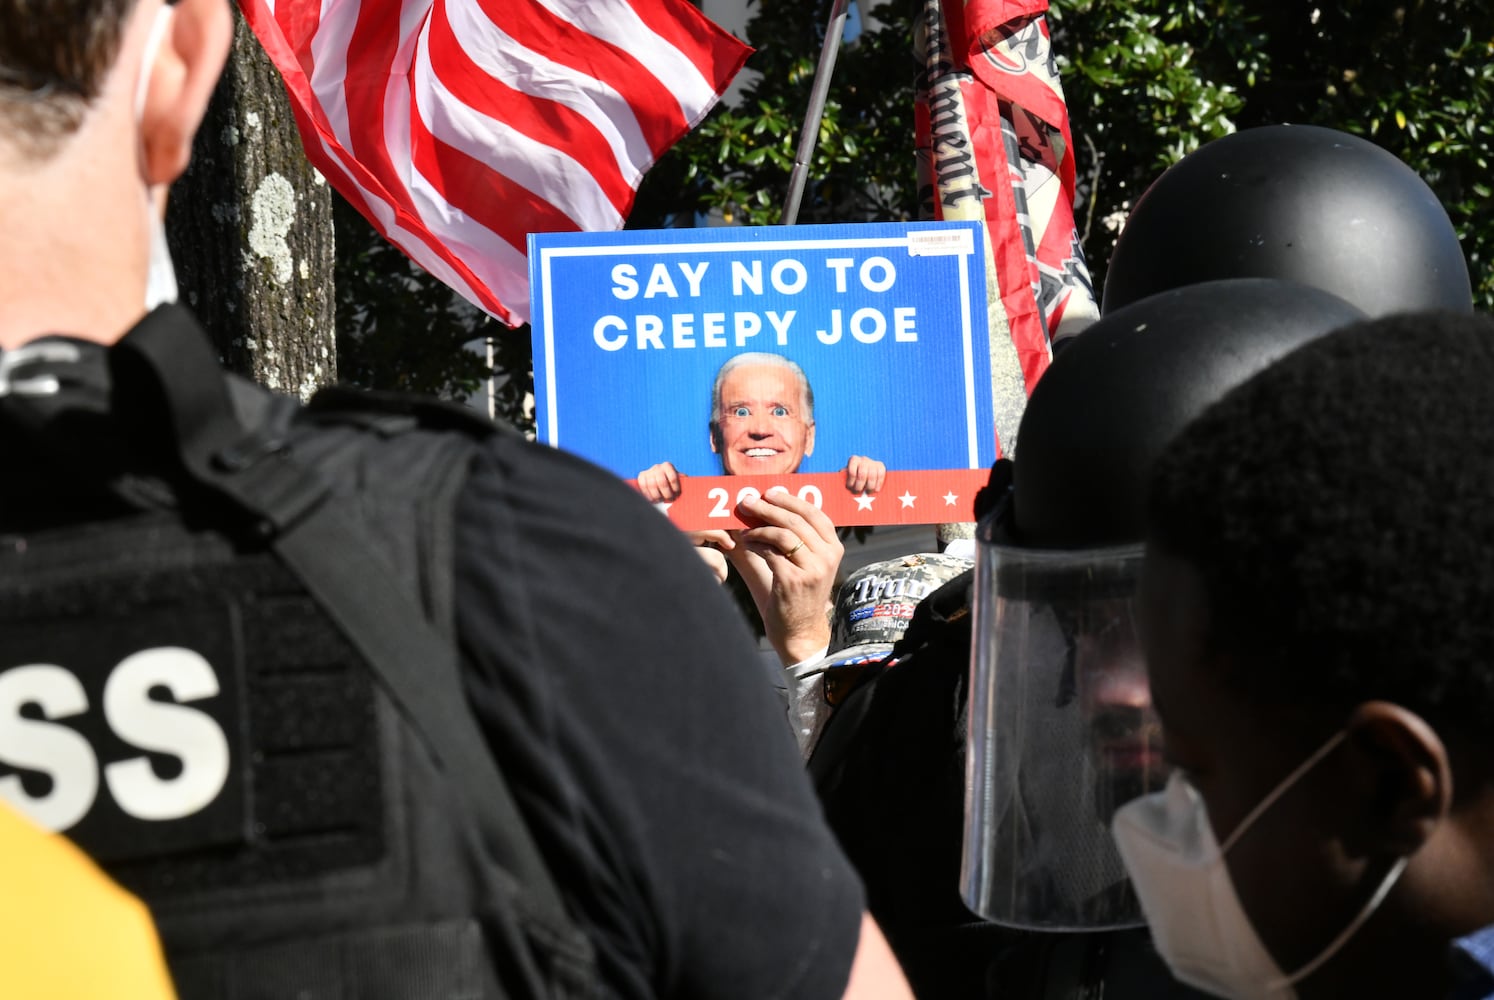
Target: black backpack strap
[{"x": 331, "y": 555}]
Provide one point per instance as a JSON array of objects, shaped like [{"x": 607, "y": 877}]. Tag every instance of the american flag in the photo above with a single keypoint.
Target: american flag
[
  {"x": 994, "y": 145},
  {"x": 458, "y": 127}
]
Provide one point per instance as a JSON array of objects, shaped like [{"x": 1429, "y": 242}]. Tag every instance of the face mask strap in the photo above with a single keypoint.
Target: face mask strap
[
  {"x": 158, "y": 29},
  {"x": 1365, "y": 912},
  {"x": 1386, "y": 884},
  {"x": 1281, "y": 789},
  {"x": 160, "y": 284}
]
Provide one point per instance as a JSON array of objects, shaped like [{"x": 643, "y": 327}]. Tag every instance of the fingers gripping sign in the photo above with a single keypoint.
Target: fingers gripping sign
[
  {"x": 865, "y": 475},
  {"x": 788, "y": 557},
  {"x": 712, "y": 546},
  {"x": 660, "y": 483}
]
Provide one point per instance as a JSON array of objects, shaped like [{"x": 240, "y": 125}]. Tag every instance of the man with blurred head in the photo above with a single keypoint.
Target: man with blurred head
[
  {"x": 191, "y": 690},
  {"x": 89, "y": 141}
]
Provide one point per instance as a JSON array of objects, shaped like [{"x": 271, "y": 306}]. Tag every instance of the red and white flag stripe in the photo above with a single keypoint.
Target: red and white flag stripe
[{"x": 461, "y": 126}]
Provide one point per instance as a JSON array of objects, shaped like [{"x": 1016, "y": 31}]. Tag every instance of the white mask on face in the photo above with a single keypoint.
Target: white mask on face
[
  {"x": 160, "y": 281},
  {"x": 1196, "y": 919}
]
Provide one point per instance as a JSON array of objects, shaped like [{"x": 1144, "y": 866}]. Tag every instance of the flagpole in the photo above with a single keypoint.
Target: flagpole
[
  {"x": 809, "y": 136},
  {"x": 492, "y": 380}
]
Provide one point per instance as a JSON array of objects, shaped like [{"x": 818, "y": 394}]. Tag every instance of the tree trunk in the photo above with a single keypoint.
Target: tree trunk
[{"x": 250, "y": 228}]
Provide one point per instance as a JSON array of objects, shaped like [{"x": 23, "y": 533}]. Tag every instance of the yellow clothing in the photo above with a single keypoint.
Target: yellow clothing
[{"x": 66, "y": 931}]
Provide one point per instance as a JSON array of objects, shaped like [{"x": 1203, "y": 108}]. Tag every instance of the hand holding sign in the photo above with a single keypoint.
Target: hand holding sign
[
  {"x": 712, "y": 547},
  {"x": 890, "y": 320},
  {"x": 788, "y": 560},
  {"x": 663, "y": 483},
  {"x": 660, "y": 483},
  {"x": 865, "y": 475}
]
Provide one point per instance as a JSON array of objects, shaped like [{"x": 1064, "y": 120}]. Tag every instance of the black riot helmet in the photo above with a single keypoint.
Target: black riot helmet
[
  {"x": 1123, "y": 387},
  {"x": 1298, "y": 202},
  {"x": 1061, "y": 730}
]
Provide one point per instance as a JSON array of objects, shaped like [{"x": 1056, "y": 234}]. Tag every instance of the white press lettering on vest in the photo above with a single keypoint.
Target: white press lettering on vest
[
  {"x": 69, "y": 762},
  {"x": 56, "y": 751}
]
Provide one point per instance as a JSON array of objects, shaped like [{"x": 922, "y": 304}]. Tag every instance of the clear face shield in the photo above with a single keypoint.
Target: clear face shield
[{"x": 1061, "y": 734}]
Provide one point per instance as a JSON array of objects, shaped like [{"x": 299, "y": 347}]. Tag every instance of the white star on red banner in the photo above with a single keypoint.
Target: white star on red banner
[{"x": 712, "y": 501}]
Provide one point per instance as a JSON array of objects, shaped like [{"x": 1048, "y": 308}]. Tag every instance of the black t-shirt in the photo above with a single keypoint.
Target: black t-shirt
[{"x": 621, "y": 694}]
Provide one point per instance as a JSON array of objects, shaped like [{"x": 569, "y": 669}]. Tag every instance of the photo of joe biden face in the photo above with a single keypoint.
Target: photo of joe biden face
[
  {"x": 762, "y": 423},
  {"x": 762, "y": 415}
]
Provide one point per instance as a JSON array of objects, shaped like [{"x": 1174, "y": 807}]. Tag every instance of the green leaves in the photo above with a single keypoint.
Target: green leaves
[
  {"x": 1150, "y": 80},
  {"x": 737, "y": 164},
  {"x": 1417, "y": 79},
  {"x": 399, "y": 328},
  {"x": 1147, "y": 82}
]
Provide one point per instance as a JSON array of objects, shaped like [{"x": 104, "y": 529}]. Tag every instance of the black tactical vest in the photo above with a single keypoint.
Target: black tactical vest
[{"x": 227, "y": 672}]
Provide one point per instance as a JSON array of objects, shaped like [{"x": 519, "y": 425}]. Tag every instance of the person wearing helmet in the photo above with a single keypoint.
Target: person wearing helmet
[
  {"x": 1299, "y": 202},
  {"x": 1307, "y": 205},
  {"x": 873, "y": 608},
  {"x": 1057, "y": 690},
  {"x": 1060, "y": 728},
  {"x": 1319, "y": 622}
]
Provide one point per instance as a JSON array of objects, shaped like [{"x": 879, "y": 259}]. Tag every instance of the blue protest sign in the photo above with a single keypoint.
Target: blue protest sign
[{"x": 880, "y": 326}]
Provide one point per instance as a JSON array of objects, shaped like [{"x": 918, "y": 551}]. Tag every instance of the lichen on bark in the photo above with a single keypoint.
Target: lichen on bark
[{"x": 250, "y": 228}]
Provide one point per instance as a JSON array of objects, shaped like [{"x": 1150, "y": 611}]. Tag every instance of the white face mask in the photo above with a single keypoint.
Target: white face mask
[
  {"x": 160, "y": 281},
  {"x": 1196, "y": 919}
]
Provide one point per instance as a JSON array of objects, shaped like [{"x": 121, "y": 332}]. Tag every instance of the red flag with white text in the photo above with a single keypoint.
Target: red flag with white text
[
  {"x": 458, "y": 127},
  {"x": 994, "y": 144}
]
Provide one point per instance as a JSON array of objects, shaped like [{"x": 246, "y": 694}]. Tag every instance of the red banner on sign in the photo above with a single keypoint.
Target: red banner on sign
[{"x": 921, "y": 497}]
